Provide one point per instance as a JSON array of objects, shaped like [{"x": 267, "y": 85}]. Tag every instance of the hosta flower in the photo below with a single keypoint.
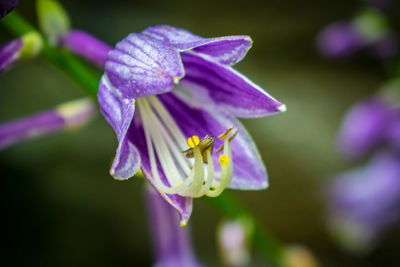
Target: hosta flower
[
  {"x": 364, "y": 202},
  {"x": 172, "y": 98}
]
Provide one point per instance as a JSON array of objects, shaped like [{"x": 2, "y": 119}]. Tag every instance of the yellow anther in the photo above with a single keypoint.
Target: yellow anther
[
  {"x": 223, "y": 160},
  {"x": 225, "y": 134},
  {"x": 183, "y": 224},
  {"x": 193, "y": 141},
  {"x": 178, "y": 184}
]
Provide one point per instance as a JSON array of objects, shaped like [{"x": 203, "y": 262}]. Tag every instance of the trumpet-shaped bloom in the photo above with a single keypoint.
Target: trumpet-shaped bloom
[{"x": 171, "y": 98}]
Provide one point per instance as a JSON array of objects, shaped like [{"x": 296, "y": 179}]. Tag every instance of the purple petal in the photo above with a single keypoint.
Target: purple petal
[
  {"x": 136, "y": 135},
  {"x": 9, "y": 53},
  {"x": 6, "y": 6},
  {"x": 248, "y": 169},
  {"x": 364, "y": 127},
  {"x": 118, "y": 112},
  {"x": 221, "y": 87},
  {"x": 87, "y": 46},
  {"x": 141, "y": 65},
  {"x": 225, "y": 50},
  {"x": 171, "y": 242}
]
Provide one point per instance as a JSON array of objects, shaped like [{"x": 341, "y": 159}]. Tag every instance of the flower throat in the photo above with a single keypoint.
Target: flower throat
[{"x": 186, "y": 162}]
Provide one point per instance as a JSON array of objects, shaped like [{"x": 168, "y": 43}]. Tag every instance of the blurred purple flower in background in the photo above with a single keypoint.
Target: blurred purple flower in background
[
  {"x": 339, "y": 40},
  {"x": 366, "y": 124},
  {"x": 369, "y": 30},
  {"x": 6, "y": 6},
  {"x": 364, "y": 202},
  {"x": 171, "y": 242}
]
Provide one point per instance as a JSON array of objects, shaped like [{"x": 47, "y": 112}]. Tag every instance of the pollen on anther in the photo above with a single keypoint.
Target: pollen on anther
[
  {"x": 193, "y": 141},
  {"x": 223, "y": 160}
]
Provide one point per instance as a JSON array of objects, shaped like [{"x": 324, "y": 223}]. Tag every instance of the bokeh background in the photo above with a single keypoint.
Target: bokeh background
[{"x": 61, "y": 207}]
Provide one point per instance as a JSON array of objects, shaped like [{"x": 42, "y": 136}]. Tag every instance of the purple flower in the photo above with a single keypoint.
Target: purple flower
[
  {"x": 366, "y": 125},
  {"x": 369, "y": 30},
  {"x": 365, "y": 202},
  {"x": 6, "y": 6},
  {"x": 171, "y": 242},
  {"x": 27, "y": 46},
  {"x": 339, "y": 40},
  {"x": 66, "y": 116},
  {"x": 183, "y": 87}
]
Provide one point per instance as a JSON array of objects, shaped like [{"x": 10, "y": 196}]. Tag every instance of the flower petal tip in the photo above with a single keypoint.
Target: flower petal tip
[
  {"x": 264, "y": 185},
  {"x": 282, "y": 108},
  {"x": 120, "y": 177}
]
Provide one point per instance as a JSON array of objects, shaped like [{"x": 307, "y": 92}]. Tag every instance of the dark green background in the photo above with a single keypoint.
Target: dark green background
[{"x": 61, "y": 207}]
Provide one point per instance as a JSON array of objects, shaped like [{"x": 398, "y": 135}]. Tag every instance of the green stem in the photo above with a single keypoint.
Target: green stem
[
  {"x": 264, "y": 241},
  {"x": 63, "y": 59}
]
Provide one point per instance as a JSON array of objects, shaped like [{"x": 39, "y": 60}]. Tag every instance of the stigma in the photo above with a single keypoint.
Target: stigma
[{"x": 180, "y": 164}]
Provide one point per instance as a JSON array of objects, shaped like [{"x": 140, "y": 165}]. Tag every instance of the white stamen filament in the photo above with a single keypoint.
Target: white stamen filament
[{"x": 165, "y": 143}]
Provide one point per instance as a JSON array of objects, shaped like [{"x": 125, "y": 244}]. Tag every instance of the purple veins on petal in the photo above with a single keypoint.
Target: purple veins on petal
[
  {"x": 225, "y": 89},
  {"x": 142, "y": 69},
  {"x": 118, "y": 112},
  {"x": 182, "y": 204},
  {"x": 227, "y": 50},
  {"x": 249, "y": 172},
  {"x": 141, "y": 65}
]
